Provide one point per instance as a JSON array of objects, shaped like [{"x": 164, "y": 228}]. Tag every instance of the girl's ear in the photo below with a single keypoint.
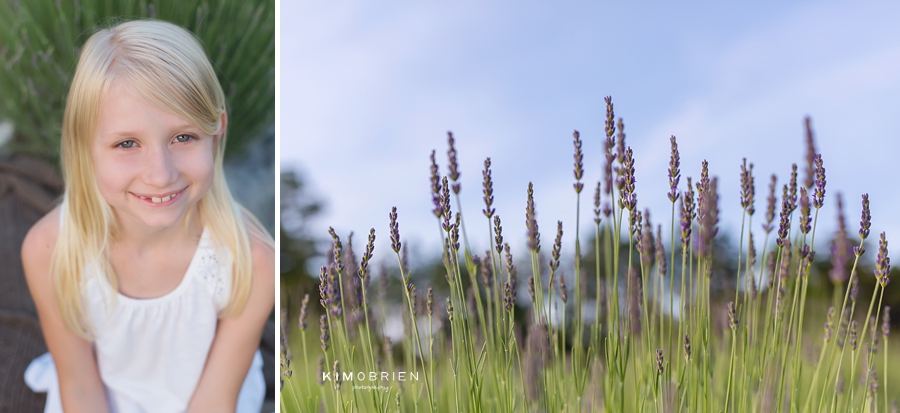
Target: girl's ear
[{"x": 223, "y": 128}]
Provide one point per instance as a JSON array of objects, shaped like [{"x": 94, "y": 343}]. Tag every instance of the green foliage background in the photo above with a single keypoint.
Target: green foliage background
[{"x": 40, "y": 42}]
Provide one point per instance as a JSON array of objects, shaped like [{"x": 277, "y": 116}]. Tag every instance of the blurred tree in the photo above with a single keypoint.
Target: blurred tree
[{"x": 298, "y": 245}]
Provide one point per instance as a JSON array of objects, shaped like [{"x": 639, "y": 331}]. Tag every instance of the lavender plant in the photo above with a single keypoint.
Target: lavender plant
[{"x": 485, "y": 352}]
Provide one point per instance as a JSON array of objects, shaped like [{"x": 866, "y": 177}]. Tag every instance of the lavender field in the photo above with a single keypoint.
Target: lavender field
[{"x": 640, "y": 316}]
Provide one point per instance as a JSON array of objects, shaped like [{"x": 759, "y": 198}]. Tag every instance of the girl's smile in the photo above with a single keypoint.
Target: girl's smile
[{"x": 161, "y": 200}]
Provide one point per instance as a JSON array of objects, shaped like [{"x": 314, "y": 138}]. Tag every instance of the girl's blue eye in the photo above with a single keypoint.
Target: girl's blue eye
[
  {"x": 126, "y": 144},
  {"x": 183, "y": 138}
]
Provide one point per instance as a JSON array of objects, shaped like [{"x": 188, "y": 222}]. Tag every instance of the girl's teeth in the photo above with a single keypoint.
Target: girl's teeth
[{"x": 166, "y": 198}]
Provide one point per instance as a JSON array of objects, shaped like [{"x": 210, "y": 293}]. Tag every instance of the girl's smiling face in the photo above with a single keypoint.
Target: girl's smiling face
[{"x": 151, "y": 166}]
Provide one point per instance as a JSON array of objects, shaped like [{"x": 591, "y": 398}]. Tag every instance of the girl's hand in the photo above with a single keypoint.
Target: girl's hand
[
  {"x": 79, "y": 379},
  {"x": 237, "y": 338}
]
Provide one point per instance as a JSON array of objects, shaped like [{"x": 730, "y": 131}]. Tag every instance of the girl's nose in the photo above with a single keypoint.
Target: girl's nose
[{"x": 159, "y": 170}]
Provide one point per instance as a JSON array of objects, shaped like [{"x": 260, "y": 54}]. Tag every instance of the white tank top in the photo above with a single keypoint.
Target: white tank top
[{"x": 151, "y": 352}]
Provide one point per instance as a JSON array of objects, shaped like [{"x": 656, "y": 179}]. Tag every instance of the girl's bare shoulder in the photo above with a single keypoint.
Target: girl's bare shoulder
[{"x": 39, "y": 243}]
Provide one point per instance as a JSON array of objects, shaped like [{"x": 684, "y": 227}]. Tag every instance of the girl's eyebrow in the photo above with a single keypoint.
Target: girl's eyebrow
[
  {"x": 129, "y": 134},
  {"x": 120, "y": 135}
]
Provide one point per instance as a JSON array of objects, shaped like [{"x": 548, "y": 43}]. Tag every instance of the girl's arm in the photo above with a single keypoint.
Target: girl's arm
[
  {"x": 237, "y": 339},
  {"x": 79, "y": 379}
]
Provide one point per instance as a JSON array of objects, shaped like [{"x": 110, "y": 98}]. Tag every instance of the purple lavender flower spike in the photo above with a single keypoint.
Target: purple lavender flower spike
[
  {"x": 429, "y": 301},
  {"x": 487, "y": 271},
  {"x": 557, "y": 245},
  {"x": 770, "y": 208},
  {"x": 770, "y": 264},
  {"x": 531, "y": 288},
  {"x": 534, "y": 236},
  {"x": 323, "y": 286},
  {"x": 785, "y": 260},
  {"x": 498, "y": 234},
  {"x": 337, "y": 374},
  {"x": 413, "y": 298},
  {"x": 687, "y": 347},
  {"x": 660, "y": 362},
  {"x": 785, "y": 223},
  {"x": 805, "y": 219},
  {"x": 364, "y": 264},
  {"x": 810, "y": 155},
  {"x": 620, "y": 143},
  {"x": 395, "y": 231},
  {"x": 839, "y": 248},
  {"x": 508, "y": 296},
  {"x": 436, "y": 188},
  {"x": 686, "y": 224},
  {"x": 337, "y": 249},
  {"x": 610, "y": 117},
  {"x": 334, "y": 292},
  {"x": 883, "y": 262},
  {"x": 597, "y": 204},
  {"x": 865, "y": 221},
  {"x": 779, "y": 301},
  {"x": 607, "y": 210},
  {"x": 751, "y": 250},
  {"x": 751, "y": 209},
  {"x": 687, "y": 214},
  {"x": 854, "y": 287},
  {"x": 323, "y": 332},
  {"x": 609, "y": 145},
  {"x": 660, "y": 252},
  {"x": 634, "y": 220},
  {"x": 302, "y": 318},
  {"x": 674, "y": 172},
  {"x": 454, "y": 234},
  {"x": 453, "y": 164},
  {"x": 804, "y": 251},
  {"x": 445, "y": 204},
  {"x": 579, "y": 157},
  {"x": 793, "y": 187},
  {"x": 703, "y": 183},
  {"x": 510, "y": 268},
  {"x": 732, "y": 318},
  {"x": 488, "y": 189},
  {"x": 562, "y": 288},
  {"x": 627, "y": 197},
  {"x": 449, "y": 306},
  {"x": 746, "y": 186},
  {"x": 829, "y": 324},
  {"x": 819, "y": 195},
  {"x": 709, "y": 204}
]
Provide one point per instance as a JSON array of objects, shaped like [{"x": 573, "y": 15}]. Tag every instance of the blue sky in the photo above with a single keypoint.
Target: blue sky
[{"x": 368, "y": 89}]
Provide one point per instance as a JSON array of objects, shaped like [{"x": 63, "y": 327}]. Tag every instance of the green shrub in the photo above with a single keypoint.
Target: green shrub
[{"x": 40, "y": 42}]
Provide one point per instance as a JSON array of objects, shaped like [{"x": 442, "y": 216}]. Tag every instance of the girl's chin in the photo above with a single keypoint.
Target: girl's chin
[{"x": 155, "y": 218}]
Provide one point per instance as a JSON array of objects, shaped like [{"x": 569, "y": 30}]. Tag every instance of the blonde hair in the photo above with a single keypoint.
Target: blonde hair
[{"x": 167, "y": 66}]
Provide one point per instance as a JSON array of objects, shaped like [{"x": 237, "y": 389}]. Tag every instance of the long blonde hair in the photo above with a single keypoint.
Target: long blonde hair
[{"x": 166, "y": 65}]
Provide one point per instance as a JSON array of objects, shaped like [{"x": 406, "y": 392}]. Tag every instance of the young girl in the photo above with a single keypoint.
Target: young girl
[{"x": 152, "y": 285}]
